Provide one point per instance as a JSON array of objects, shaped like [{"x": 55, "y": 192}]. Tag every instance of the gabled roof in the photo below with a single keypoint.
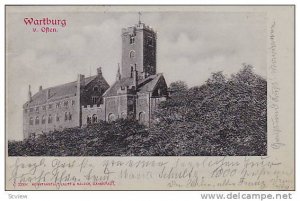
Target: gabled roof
[
  {"x": 57, "y": 92},
  {"x": 149, "y": 84},
  {"x": 145, "y": 85}
]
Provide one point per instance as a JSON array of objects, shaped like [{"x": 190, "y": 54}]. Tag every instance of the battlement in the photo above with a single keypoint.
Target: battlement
[{"x": 132, "y": 29}]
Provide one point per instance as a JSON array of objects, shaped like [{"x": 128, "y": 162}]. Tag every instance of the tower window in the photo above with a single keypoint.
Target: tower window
[
  {"x": 57, "y": 117},
  {"x": 131, "y": 54},
  {"x": 132, "y": 39},
  {"x": 150, "y": 41}
]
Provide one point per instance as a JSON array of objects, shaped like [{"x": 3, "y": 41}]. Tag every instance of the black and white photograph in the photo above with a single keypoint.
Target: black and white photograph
[{"x": 139, "y": 84}]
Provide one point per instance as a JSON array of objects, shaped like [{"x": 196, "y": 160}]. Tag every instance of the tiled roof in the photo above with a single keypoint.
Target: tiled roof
[
  {"x": 144, "y": 85},
  {"x": 149, "y": 83},
  {"x": 57, "y": 92}
]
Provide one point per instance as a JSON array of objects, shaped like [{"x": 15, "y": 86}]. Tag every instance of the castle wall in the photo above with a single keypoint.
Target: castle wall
[
  {"x": 87, "y": 105},
  {"x": 92, "y": 114},
  {"x": 116, "y": 107},
  {"x": 143, "y": 108},
  {"x": 54, "y": 115}
]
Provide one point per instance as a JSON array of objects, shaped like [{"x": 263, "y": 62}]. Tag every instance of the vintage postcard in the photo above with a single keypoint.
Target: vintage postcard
[{"x": 149, "y": 97}]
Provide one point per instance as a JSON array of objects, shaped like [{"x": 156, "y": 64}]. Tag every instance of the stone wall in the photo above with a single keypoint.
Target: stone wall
[
  {"x": 92, "y": 114},
  {"x": 136, "y": 47},
  {"x": 142, "y": 108},
  {"x": 54, "y": 115},
  {"x": 116, "y": 106},
  {"x": 92, "y": 93}
]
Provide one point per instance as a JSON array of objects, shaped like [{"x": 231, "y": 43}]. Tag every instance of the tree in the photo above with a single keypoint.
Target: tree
[{"x": 178, "y": 87}]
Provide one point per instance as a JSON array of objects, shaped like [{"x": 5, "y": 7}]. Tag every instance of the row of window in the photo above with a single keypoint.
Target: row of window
[
  {"x": 112, "y": 117},
  {"x": 57, "y": 105},
  {"x": 149, "y": 40},
  {"x": 36, "y": 121}
]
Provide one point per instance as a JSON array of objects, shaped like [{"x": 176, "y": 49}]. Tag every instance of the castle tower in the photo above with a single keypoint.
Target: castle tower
[{"x": 138, "y": 49}]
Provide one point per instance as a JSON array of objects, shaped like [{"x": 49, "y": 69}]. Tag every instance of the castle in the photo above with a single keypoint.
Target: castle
[{"x": 137, "y": 91}]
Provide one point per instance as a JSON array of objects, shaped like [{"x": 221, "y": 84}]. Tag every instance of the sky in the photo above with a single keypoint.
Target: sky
[{"x": 190, "y": 46}]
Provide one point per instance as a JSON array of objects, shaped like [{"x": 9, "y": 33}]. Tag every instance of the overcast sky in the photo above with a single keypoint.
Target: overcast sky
[{"x": 191, "y": 45}]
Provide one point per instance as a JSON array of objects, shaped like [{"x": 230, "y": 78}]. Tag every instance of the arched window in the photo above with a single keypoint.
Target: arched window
[
  {"x": 70, "y": 116},
  {"x": 66, "y": 116},
  {"x": 57, "y": 117},
  {"x": 37, "y": 120},
  {"x": 95, "y": 118},
  {"x": 31, "y": 121},
  {"x": 111, "y": 117},
  {"x": 132, "y": 54},
  {"x": 88, "y": 120},
  {"x": 142, "y": 117},
  {"x": 123, "y": 115},
  {"x": 49, "y": 119},
  {"x": 43, "y": 119},
  {"x": 95, "y": 89}
]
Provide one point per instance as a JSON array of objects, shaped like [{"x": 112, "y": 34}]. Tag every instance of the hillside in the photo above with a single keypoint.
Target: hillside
[{"x": 224, "y": 116}]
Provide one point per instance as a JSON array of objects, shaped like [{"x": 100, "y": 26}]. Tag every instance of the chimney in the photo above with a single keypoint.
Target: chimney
[
  {"x": 41, "y": 88},
  {"x": 99, "y": 71},
  {"x": 29, "y": 94},
  {"x": 48, "y": 94},
  {"x": 80, "y": 81}
]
